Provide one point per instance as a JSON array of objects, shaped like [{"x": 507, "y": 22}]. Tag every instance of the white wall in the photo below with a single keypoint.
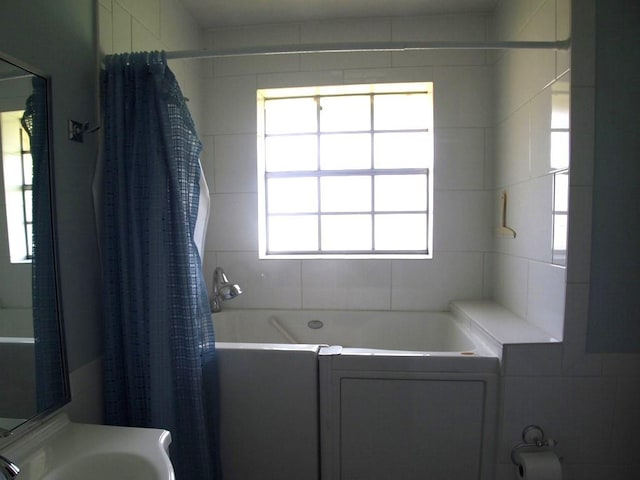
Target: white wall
[
  {"x": 463, "y": 117},
  {"x": 588, "y": 402},
  {"x": 139, "y": 26}
]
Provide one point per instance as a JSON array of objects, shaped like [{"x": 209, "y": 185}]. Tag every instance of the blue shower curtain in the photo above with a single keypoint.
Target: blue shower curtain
[{"x": 157, "y": 322}]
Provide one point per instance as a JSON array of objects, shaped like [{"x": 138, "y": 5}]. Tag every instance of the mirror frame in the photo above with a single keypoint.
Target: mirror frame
[{"x": 39, "y": 416}]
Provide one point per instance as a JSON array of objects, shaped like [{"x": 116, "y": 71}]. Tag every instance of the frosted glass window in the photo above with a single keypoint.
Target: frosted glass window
[
  {"x": 286, "y": 153},
  {"x": 400, "y": 231},
  {"x": 401, "y": 111},
  {"x": 346, "y": 113},
  {"x": 345, "y": 171},
  {"x": 345, "y": 194},
  {"x": 297, "y": 115},
  {"x": 346, "y": 232},
  {"x": 293, "y": 233},
  {"x": 402, "y": 150},
  {"x": 345, "y": 151},
  {"x": 400, "y": 193},
  {"x": 292, "y": 195}
]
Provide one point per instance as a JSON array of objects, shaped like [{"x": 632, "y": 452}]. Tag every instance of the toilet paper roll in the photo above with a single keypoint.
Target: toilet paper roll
[{"x": 538, "y": 466}]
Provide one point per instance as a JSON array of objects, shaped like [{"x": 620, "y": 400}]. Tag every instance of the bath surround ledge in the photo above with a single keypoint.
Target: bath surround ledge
[{"x": 497, "y": 326}]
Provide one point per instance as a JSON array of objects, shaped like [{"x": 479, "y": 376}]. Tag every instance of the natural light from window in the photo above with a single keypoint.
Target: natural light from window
[{"x": 346, "y": 172}]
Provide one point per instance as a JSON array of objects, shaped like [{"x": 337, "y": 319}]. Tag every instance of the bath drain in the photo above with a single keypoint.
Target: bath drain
[{"x": 315, "y": 324}]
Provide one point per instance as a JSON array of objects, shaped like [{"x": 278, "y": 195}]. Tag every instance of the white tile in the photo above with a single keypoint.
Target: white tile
[
  {"x": 579, "y": 236},
  {"x": 626, "y": 442},
  {"x": 343, "y": 61},
  {"x": 528, "y": 212},
  {"x": 265, "y": 283},
  {"x": 576, "y": 361},
  {"x": 231, "y": 105},
  {"x": 388, "y": 75},
  {"x": 233, "y": 222},
  {"x": 582, "y": 135},
  {"x": 438, "y": 58},
  {"x": 575, "y": 411},
  {"x": 179, "y": 31},
  {"x": 143, "y": 39},
  {"x": 432, "y": 284},
  {"x": 105, "y": 29},
  {"x": 147, "y": 12},
  {"x": 511, "y": 148},
  {"x": 563, "y": 31},
  {"x": 226, "y": 66},
  {"x": 546, "y": 297},
  {"x": 532, "y": 359},
  {"x": 462, "y": 220},
  {"x": 254, "y": 35},
  {"x": 346, "y": 30},
  {"x": 583, "y": 44},
  {"x": 121, "y": 30},
  {"x": 235, "y": 163},
  {"x": 510, "y": 277},
  {"x": 463, "y": 27},
  {"x": 206, "y": 160},
  {"x": 459, "y": 158},
  {"x": 346, "y": 284},
  {"x": 300, "y": 79},
  {"x": 462, "y": 96}
]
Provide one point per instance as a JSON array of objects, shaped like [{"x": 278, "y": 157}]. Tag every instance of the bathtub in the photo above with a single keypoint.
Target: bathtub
[{"x": 334, "y": 395}]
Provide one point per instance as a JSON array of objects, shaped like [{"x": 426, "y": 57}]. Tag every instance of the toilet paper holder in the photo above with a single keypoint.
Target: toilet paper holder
[{"x": 532, "y": 438}]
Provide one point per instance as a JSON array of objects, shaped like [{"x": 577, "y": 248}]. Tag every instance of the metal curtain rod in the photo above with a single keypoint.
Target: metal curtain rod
[{"x": 368, "y": 47}]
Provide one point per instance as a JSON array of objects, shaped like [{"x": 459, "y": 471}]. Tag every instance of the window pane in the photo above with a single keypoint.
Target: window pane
[
  {"x": 346, "y": 232},
  {"x": 28, "y": 167},
  {"x": 292, "y": 195},
  {"x": 293, "y": 233},
  {"x": 401, "y": 111},
  {"x": 400, "y": 192},
  {"x": 291, "y": 115},
  {"x": 401, "y": 150},
  {"x": 345, "y": 114},
  {"x": 348, "y": 151},
  {"x": 291, "y": 153},
  {"x": 401, "y": 232},
  {"x": 30, "y": 240},
  {"x": 345, "y": 194},
  {"x": 28, "y": 208}
]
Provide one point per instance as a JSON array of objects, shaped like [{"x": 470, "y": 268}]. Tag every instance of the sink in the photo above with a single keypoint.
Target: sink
[
  {"x": 63, "y": 450},
  {"x": 123, "y": 466}
]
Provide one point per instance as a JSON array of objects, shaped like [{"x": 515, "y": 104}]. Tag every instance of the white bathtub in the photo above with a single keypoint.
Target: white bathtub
[
  {"x": 361, "y": 332},
  {"x": 312, "y": 394}
]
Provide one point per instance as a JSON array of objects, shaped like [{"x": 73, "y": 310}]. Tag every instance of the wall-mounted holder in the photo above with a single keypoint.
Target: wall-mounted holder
[
  {"x": 533, "y": 439},
  {"x": 78, "y": 129},
  {"x": 503, "y": 230}
]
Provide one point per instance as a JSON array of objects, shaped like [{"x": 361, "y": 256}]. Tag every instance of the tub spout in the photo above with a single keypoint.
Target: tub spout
[
  {"x": 223, "y": 289},
  {"x": 9, "y": 469}
]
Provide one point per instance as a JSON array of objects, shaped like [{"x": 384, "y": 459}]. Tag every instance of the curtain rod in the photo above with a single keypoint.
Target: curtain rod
[{"x": 368, "y": 47}]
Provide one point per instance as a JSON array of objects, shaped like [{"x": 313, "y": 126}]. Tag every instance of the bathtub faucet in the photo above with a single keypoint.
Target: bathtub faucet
[
  {"x": 9, "y": 469},
  {"x": 223, "y": 289}
]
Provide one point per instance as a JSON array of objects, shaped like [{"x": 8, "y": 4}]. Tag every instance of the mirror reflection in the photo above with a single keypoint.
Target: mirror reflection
[{"x": 33, "y": 376}]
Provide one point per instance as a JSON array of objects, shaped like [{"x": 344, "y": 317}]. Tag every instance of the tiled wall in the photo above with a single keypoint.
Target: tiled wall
[
  {"x": 528, "y": 85},
  {"x": 147, "y": 25},
  {"x": 462, "y": 211},
  {"x": 588, "y": 402}
]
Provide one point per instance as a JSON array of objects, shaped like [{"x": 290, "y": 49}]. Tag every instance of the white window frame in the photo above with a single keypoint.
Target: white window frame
[{"x": 263, "y": 176}]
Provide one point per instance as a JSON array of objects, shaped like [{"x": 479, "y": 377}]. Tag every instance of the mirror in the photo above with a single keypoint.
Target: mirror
[{"x": 33, "y": 375}]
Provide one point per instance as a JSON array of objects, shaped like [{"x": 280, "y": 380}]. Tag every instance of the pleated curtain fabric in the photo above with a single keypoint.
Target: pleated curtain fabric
[{"x": 158, "y": 335}]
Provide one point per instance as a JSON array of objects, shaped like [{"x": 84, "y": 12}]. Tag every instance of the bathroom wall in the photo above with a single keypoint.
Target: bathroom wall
[
  {"x": 587, "y": 402},
  {"x": 462, "y": 207}
]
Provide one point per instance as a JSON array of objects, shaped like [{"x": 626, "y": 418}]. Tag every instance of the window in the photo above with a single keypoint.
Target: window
[
  {"x": 346, "y": 171},
  {"x": 17, "y": 170}
]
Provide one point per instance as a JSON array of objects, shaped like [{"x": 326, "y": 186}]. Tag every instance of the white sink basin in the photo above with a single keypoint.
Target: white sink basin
[{"x": 61, "y": 450}]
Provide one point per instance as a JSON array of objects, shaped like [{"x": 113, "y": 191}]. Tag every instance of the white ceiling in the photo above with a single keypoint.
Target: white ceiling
[{"x": 219, "y": 13}]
